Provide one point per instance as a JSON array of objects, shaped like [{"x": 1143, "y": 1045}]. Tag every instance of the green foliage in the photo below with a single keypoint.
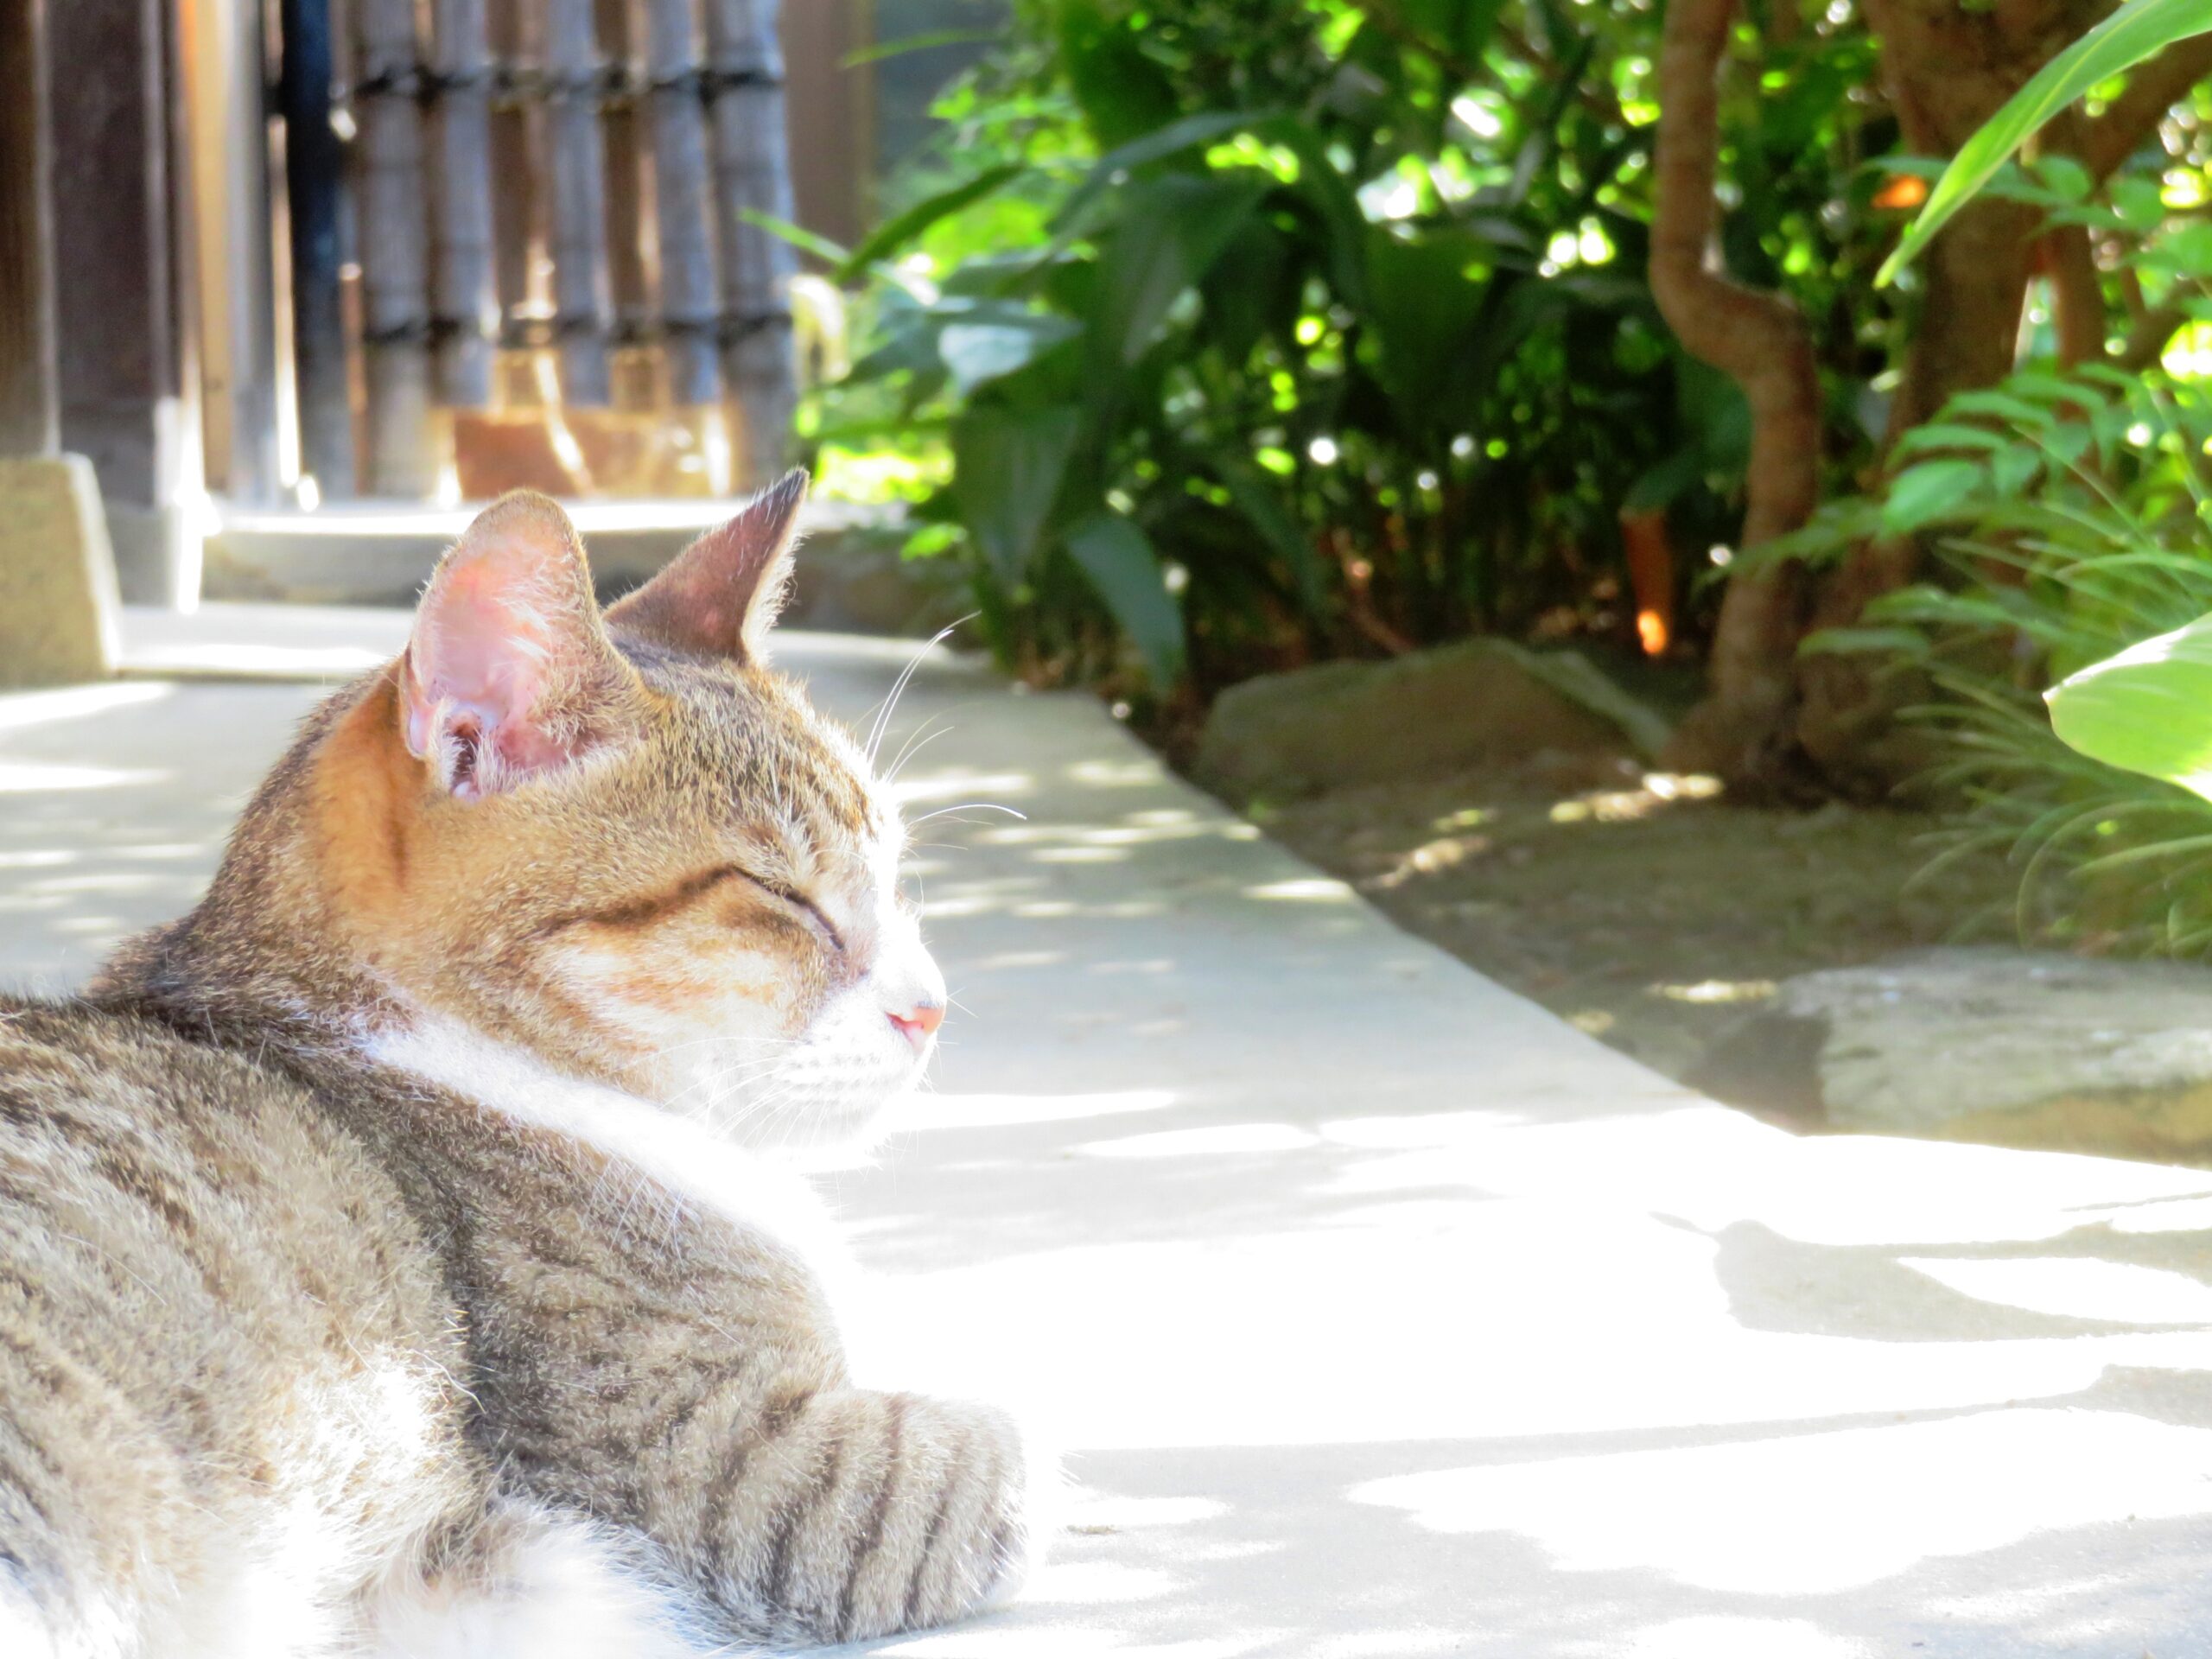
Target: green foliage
[
  {"x": 2139, "y": 30},
  {"x": 2148, "y": 709},
  {"x": 1260, "y": 330},
  {"x": 2071, "y": 510}
]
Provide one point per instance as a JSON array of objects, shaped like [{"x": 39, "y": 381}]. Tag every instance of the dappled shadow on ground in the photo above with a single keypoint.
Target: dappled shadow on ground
[
  {"x": 1640, "y": 1554},
  {"x": 1638, "y": 905},
  {"x": 1383, "y": 1315}
]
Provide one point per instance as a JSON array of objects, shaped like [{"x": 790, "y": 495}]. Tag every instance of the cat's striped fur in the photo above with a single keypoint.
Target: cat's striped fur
[{"x": 383, "y": 1268}]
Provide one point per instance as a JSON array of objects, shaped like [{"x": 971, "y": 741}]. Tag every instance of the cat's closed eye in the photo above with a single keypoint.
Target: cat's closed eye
[{"x": 792, "y": 898}]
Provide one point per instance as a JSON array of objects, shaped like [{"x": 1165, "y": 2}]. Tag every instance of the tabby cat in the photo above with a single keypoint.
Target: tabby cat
[{"x": 392, "y": 1261}]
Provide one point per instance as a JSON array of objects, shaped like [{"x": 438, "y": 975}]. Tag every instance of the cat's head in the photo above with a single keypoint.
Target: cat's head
[{"x": 619, "y": 840}]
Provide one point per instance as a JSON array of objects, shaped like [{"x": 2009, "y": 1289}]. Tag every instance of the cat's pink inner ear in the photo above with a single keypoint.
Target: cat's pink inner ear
[
  {"x": 722, "y": 595},
  {"x": 508, "y": 655}
]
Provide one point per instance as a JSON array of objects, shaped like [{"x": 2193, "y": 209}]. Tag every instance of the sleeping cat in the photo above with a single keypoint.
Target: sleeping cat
[{"x": 381, "y": 1267}]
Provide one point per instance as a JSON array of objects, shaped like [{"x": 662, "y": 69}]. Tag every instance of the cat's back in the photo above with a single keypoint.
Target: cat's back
[
  {"x": 222, "y": 1179},
  {"x": 211, "y": 1297}
]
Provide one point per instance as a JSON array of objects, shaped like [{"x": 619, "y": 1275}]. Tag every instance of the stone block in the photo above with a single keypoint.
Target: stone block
[
  {"x": 59, "y": 610},
  {"x": 2014, "y": 1048},
  {"x": 1483, "y": 701}
]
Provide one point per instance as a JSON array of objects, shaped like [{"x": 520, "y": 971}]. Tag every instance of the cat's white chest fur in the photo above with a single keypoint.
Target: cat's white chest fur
[{"x": 688, "y": 1161}]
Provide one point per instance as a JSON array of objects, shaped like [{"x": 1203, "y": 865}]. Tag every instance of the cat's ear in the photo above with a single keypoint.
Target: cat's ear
[
  {"x": 721, "y": 595},
  {"x": 509, "y": 672}
]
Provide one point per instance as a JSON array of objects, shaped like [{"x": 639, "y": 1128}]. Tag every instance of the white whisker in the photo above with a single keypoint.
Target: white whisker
[
  {"x": 968, "y": 806},
  {"x": 890, "y": 703}
]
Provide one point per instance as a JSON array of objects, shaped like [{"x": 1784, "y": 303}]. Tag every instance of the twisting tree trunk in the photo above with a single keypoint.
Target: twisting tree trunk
[
  {"x": 1759, "y": 341},
  {"x": 1947, "y": 68}
]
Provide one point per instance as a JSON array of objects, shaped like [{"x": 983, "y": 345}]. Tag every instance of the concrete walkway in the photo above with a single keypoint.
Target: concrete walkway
[{"x": 1385, "y": 1314}]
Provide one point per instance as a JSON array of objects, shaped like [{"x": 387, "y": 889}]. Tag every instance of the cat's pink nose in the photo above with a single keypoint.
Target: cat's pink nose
[{"x": 919, "y": 1023}]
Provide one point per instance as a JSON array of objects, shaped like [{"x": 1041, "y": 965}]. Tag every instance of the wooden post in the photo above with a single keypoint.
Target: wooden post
[
  {"x": 29, "y": 400},
  {"x": 689, "y": 311},
  {"x": 225, "y": 82},
  {"x": 580, "y": 299},
  {"x": 517, "y": 211},
  {"x": 629, "y": 236},
  {"x": 832, "y": 113},
  {"x": 395, "y": 254},
  {"x": 114, "y": 298},
  {"x": 57, "y": 577},
  {"x": 753, "y": 174},
  {"x": 314, "y": 187},
  {"x": 465, "y": 306}
]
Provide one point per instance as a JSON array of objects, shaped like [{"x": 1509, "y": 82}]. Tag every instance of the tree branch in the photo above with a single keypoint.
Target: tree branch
[
  {"x": 1757, "y": 338},
  {"x": 2077, "y": 296},
  {"x": 2150, "y": 335},
  {"x": 2152, "y": 89},
  {"x": 1384, "y": 15},
  {"x": 1760, "y": 342}
]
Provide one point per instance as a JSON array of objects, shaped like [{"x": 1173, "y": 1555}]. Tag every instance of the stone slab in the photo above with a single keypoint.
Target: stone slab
[
  {"x": 1383, "y": 1314},
  {"x": 2022, "y": 1048},
  {"x": 58, "y": 601},
  {"x": 1481, "y": 702}
]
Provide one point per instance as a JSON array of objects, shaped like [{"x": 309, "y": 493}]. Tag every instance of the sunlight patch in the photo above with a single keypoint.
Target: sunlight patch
[
  {"x": 1816, "y": 1514},
  {"x": 1004, "y": 1111},
  {"x": 1725, "y": 1636},
  {"x": 1717, "y": 992},
  {"x": 26, "y": 778},
  {"x": 20, "y": 710},
  {"x": 1304, "y": 889},
  {"x": 1199, "y": 1143}
]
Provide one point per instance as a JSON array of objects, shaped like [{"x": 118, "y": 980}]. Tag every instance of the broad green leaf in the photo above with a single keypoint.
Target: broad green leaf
[
  {"x": 1908, "y": 642},
  {"x": 1169, "y": 234},
  {"x": 2067, "y": 442},
  {"x": 2050, "y": 388},
  {"x": 2068, "y": 180},
  {"x": 2140, "y": 204},
  {"x": 1123, "y": 92},
  {"x": 1334, "y": 203},
  {"x": 2012, "y": 470},
  {"x": 976, "y": 351},
  {"x": 2148, "y": 709},
  {"x": 2003, "y": 406},
  {"x": 884, "y": 50},
  {"x": 1008, "y": 467},
  {"x": 893, "y": 236},
  {"x": 1262, "y": 508},
  {"x": 1114, "y": 166},
  {"x": 1119, "y": 560},
  {"x": 1923, "y": 493},
  {"x": 1423, "y": 313},
  {"x": 2187, "y": 248},
  {"x": 1679, "y": 473},
  {"x": 1941, "y": 435},
  {"x": 1461, "y": 28},
  {"x": 799, "y": 235},
  {"x": 2140, "y": 30}
]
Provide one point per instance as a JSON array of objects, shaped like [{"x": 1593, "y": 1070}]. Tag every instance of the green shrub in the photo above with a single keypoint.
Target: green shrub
[
  {"x": 1241, "y": 332},
  {"x": 2070, "y": 514}
]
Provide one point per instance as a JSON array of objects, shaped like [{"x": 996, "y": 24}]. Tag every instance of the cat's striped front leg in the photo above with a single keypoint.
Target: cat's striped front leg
[{"x": 845, "y": 1514}]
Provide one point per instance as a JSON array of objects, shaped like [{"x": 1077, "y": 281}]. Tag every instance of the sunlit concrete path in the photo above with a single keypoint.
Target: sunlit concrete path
[{"x": 1384, "y": 1314}]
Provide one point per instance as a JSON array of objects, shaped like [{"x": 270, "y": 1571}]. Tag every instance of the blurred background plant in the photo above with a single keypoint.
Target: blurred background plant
[
  {"x": 2068, "y": 509},
  {"x": 1215, "y": 336}
]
